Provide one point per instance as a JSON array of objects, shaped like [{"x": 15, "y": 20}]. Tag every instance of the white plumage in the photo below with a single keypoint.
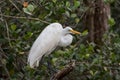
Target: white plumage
[{"x": 52, "y": 36}]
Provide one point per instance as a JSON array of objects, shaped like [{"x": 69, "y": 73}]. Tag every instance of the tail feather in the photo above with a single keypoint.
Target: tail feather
[{"x": 34, "y": 62}]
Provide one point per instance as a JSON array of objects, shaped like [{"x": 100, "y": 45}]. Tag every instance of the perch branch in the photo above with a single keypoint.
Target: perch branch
[
  {"x": 30, "y": 18},
  {"x": 62, "y": 73}
]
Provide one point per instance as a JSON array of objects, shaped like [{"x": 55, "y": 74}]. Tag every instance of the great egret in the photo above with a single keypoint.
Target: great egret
[{"x": 52, "y": 36}]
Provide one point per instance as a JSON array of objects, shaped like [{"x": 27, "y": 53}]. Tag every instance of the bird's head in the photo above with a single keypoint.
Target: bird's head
[{"x": 70, "y": 30}]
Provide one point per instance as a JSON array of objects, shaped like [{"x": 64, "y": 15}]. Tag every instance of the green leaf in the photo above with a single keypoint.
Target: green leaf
[
  {"x": 111, "y": 21},
  {"x": 67, "y": 13},
  {"x": 67, "y": 4},
  {"x": 105, "y": 68},
  {"x": 87, "y": 55},
  {"x": 91, "y": 72},
  {"x": 21, "y": 52},
  {"x": 27, "y": 11},
  {"x": 73, "y": 15},
  {"x": 29, "y": 34},
  {"x": 76, "y": 4},
  {"x": 13, "y": 27},
  {"x": 54, "y": 1},
  {"x": 84, "y": 33},
  {"x": 77, "y": 20},
  {"x": 30, "y": 8},
  {"x": 18, "y": 30},
  {"x": 54, "y": 60}
]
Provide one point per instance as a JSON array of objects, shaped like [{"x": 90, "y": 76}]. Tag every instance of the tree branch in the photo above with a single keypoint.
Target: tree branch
[
  {"x": 30, "y": 18},
  {"x": 14, "y": 5},
  {"x": 65, "y": 71}
]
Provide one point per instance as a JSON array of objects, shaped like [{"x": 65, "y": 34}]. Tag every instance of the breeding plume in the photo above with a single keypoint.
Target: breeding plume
[{"x": 52, "y": 36}]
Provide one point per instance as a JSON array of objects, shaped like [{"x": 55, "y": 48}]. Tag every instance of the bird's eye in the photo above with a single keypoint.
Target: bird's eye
[{"x": 69, "y": 30}]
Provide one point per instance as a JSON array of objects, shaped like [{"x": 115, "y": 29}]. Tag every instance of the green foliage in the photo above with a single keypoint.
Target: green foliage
[
  {"x": 13, "y": 27},
  {"x": 76, "y": 4},
  {"x": 29, "y": 9},
  {"x": 84, "y": 33},
  {"x": 111, "y": 21},
  {"x": 18, "y": 34}
]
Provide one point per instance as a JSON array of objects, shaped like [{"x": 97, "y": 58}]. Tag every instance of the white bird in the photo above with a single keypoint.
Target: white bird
[{"x": 52, "y": 36}]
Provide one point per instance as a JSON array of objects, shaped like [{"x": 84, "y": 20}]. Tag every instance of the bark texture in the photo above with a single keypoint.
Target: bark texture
[{"x": 96, "y": 18}]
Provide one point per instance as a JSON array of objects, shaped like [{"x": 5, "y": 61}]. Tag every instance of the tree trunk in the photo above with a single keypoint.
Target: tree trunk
[{"x": 96, "y": 20}]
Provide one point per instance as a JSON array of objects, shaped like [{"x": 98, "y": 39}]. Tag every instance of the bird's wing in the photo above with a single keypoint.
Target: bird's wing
[{"x": 45, "y": 43}]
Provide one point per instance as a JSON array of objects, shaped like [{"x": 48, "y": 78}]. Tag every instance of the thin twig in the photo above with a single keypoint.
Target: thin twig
[
  {"x": 30, "y": 18},
  {"x": 3, "y": 53},
  {"x": 14, "y": 5},
  {"x": 1, "y": 16},
  {"x": 8, "y": 35},
  {"x": 2, "y": 1},
  {"x": 3, "y": 64}
]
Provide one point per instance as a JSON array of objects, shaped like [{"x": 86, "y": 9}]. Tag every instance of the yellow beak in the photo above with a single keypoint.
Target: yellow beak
[{"x": 74, "y": 32}]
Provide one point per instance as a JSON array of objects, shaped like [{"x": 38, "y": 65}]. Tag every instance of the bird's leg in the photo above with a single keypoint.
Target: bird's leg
[
  {"x": 49, "y": 65},
  {"x": 40, "y": 62}
]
